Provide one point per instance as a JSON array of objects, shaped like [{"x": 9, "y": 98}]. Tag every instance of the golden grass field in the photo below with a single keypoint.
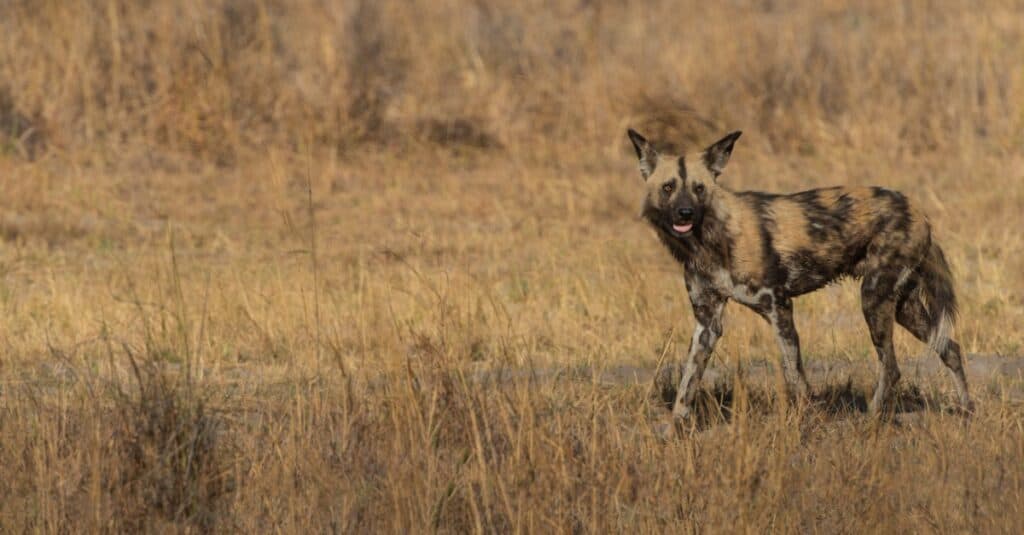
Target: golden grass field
[{"x": 308, "y": 266}]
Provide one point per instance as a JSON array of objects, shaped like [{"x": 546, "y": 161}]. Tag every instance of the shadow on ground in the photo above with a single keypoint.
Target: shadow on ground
[
  {"x": 717, "y": 403},
  {"x": 841, "y": 389}
]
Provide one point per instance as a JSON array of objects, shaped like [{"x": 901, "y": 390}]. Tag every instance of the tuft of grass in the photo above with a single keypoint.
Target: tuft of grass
[{"x": 167, "y": 449}]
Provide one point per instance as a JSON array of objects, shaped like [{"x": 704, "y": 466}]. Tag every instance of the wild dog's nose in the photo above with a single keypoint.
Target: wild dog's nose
[{"x": 685, "y": 213}]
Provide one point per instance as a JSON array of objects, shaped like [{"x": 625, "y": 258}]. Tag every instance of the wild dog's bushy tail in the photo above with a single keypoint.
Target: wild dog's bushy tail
[{"x": 939, "y": 297}]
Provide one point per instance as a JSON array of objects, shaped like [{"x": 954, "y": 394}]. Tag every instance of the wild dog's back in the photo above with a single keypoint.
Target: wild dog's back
[{"x": 804, "y": 240}]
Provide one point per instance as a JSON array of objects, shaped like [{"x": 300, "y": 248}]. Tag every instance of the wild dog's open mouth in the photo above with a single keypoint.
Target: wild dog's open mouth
[{"x": 682, "y": 228}]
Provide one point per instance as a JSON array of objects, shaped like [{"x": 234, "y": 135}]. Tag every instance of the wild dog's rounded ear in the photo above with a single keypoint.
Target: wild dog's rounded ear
[
  {"x": 644, "y": 152},
  {"x": 717, "y": 155}
]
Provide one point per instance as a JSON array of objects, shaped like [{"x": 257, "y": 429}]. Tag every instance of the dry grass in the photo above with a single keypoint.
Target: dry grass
[{"x": 261, "y": 261}]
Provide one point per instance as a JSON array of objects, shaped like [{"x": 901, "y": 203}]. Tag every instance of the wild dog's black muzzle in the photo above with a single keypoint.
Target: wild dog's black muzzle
[{"x": 683, "y": 220}]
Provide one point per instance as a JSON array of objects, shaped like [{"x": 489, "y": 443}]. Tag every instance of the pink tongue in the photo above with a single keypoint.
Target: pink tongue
[{"x": 682, "y": 228}]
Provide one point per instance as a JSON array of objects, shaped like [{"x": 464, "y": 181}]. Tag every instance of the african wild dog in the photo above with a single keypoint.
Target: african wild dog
[{"x": 764, "y": 249}]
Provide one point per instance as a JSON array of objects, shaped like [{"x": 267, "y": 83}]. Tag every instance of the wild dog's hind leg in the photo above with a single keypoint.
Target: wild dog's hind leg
[
  {"x": 707, "y": 311},
  {"x": 912, "y": 314},
  {"x": 878, "y": 302}
]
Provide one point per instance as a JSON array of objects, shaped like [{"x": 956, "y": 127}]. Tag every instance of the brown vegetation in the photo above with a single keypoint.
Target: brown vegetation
[{"x": 262, "y": 260}]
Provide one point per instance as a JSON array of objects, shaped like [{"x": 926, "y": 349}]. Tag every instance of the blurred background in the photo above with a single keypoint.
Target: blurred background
[{"x": 221, "y": 82}]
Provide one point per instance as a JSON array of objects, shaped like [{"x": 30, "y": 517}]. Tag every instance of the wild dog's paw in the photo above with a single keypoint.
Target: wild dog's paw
[
  {"x": 965, "y": 408},
  {"x": 671, "y": 427},
  {"x": 664, "y": 429},
  {"x": 684, "y": 415}
]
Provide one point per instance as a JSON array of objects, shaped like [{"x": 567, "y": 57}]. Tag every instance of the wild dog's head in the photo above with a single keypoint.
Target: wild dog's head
[{"x": 680, "y": 188}]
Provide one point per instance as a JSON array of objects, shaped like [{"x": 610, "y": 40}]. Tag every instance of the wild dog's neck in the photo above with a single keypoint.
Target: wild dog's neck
[
  {"x": 713, "y": 239},
  {"x": 722, "y": 204}
]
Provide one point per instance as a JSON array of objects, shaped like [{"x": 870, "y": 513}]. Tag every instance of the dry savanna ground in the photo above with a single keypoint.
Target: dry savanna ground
[{"x": 376, "y": 266}]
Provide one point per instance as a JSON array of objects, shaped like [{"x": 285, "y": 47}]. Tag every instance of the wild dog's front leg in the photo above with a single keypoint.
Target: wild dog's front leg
[
  {"x": 781, "y": 318},
  {"x": 777, "y": 310},
  {"x": 707, "y": 311}
]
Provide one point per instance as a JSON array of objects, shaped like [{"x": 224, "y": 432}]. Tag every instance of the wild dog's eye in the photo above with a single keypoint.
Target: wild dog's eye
[
  {"x": 668, "y": 187},
  {"x": 699, "y": 189}
]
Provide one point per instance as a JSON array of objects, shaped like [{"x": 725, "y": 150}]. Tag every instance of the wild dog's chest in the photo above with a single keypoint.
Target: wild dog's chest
[{"x": 722, "y": 282}]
